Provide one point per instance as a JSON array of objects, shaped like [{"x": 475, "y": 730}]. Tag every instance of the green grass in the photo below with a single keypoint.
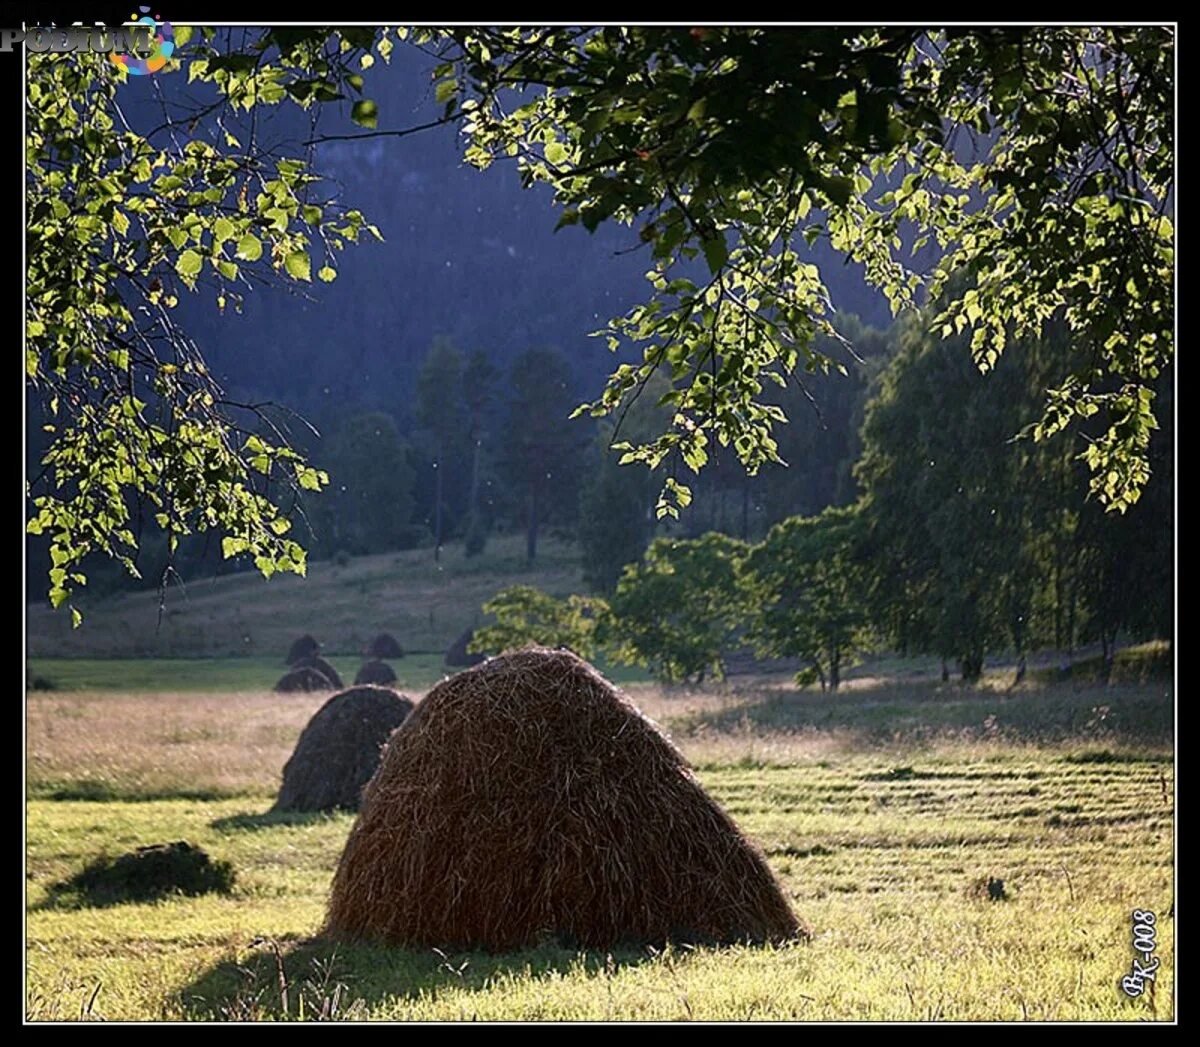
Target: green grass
[
  {"x": 230, "y": 675},
  {"x": 1135, "y": 664},
  {"x": 882, "y": 821},
  {"x": 147, "y": 675},
  {"x": 423, "y": 603}
]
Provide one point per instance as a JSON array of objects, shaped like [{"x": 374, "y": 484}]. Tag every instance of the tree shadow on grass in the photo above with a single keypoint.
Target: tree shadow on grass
[
  {"x": 920, "y": 713},
  {"x": 92, "y": 791},
  {"x": 245, "y": 820},
  {"x": 318, "y": 979}
]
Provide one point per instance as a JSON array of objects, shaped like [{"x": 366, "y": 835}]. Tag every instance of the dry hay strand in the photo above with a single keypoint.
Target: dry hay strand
[
  {"x": 303, "y": 647},
  {"x": 375, "y": 671},
  {"x": 529, "y": 799},
  {"x": 323, "y": 667},
  {"x": 457, "y": 654},
  {"x": 339, "y": 750},
  {"x": 385, "y": 645},
  {"x": 305, "y": 679}
]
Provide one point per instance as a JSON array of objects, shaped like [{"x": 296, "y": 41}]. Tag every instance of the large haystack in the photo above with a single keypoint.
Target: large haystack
[
  {"x": 377, "y": 672},
  {"x": 385, "y": 645},
  {"x": 339, "y": 750},
  {"x": 528, "y": 798},
  {"x": 302, "y": 647},
  {"x": 303, "y": 679},
  {"x": 323, "y": 667},
  {"x": 457, "y": 655}
]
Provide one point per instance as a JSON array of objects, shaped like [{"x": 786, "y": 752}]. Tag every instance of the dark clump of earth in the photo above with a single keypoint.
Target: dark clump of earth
[{"x": 988, "y": 888}]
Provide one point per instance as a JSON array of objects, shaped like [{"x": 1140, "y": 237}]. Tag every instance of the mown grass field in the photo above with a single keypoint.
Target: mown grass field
[{"x": 884, "y": 811}]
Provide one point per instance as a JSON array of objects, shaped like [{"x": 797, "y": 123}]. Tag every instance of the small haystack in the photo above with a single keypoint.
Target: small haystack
[
  {"x": 323, "y": 667},
  {"x": 305, "y": 647},
  {"x": 529, "y": 798},
  {"x": 376, "y": 672},
  {"x": 457, "y": 656},
  {"x": 385, "y": 645},
  {"x": 339, "y": 750},
  {"x": 303, "y": 679}
]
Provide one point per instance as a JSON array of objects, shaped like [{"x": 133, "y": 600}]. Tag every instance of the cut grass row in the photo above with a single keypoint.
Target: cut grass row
[
  {"x": 889, "y": 878},
  {"x": 884, "y": 812}
]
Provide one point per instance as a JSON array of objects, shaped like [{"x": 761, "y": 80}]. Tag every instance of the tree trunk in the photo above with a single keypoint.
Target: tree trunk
[
  {"x": 531, "y": 535},
  {"x": 1020, "y": 670},
  {"x": 820, "y": 674},
  {"x": 473, "y": 501},
  {"x": 971, "y": 666},
  {"x": 1058, "y": 605},
  {"x": 1071, "y": 607},
  {"x": 835, "y": 671},
  {"x": 1108, "y": 644},
  {"x": 1018, "y": 635},
  {"x": 945, "y": 671},
  {"x": 437, "y": 509}
]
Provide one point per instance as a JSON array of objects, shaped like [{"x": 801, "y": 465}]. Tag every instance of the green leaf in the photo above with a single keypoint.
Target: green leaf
[
  {"x": 327, "y": 273},
  {"x": 838, "y": 189},
  {"x": 223, "y": 230},
  {"x": 188, "y": 264},
  {"x": 365, "y": 113},
  {"x": 716, "y": 253},
  {"x": 298, "y": 265},
  {"x": 249, "y": 248}
]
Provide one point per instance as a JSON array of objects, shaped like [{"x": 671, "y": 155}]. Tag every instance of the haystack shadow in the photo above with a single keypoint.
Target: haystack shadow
[
  {"x": 272, "y": 819},
  {"x": 319, "y": 978}
]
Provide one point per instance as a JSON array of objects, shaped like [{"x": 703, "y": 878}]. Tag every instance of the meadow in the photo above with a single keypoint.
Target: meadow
[
  {"x": 885, "y": 811},
  {"x": 425, "y": 602}
]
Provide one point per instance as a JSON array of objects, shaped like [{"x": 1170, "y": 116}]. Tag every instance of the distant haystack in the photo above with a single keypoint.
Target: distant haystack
[
  {"x": 339, "y": 750},
  {"x": 529, "y": 798},
  {"x": 304, "y": 679},
  {"x": 323, "y": 667},
  {"x": 385, "y": 645},
  {"x": 376, "y": 672},
  {"x": 304, "y": 647},
  {"x": 457, "y": 656}
]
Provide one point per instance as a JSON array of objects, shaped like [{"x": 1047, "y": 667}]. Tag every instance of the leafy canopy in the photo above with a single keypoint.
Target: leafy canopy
[
  {"x": 678, "y": 610},
  {"x": 1039, "y": 161},
  {"x": 809, "y": 584},
  {"x": 526, "y": 615},
  {"x": 122, "y": 220}
]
